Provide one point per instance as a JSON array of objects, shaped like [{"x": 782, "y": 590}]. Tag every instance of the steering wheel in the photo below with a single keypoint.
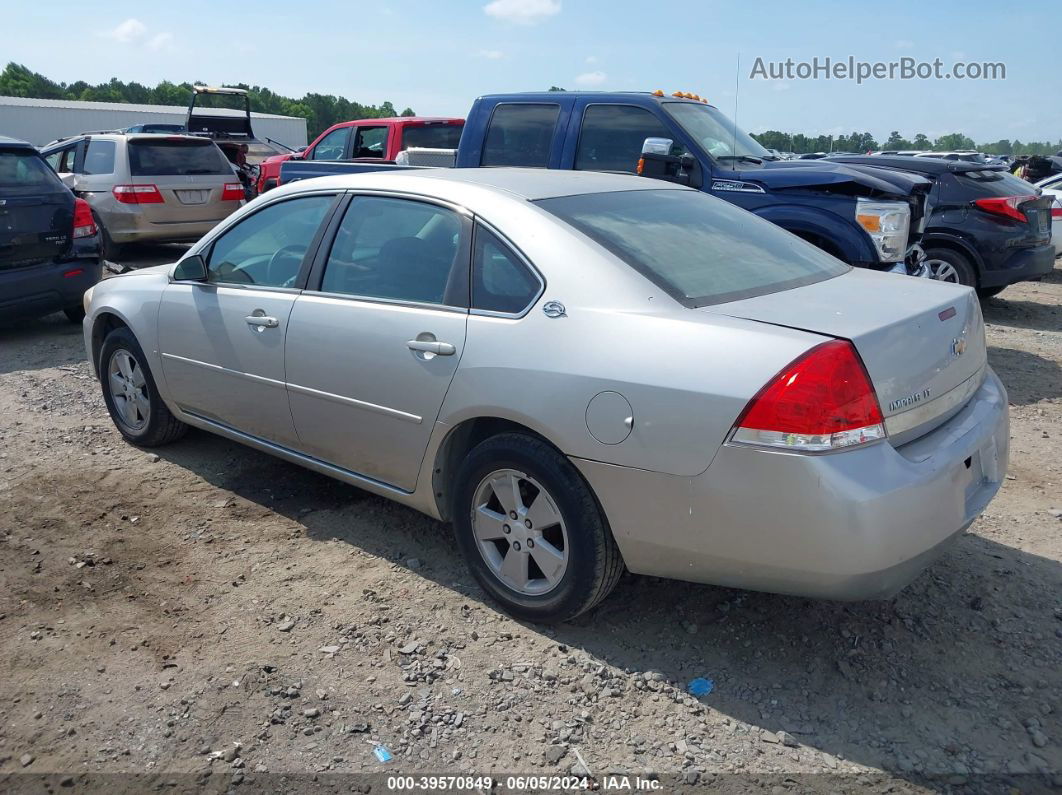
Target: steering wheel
[{"x": 282, "y": 258}]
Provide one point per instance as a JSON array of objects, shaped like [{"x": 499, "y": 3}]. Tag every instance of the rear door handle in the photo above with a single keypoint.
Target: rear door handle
[
  {"x": 262, "y": 321},
  {"x": 431, "y": 346}
]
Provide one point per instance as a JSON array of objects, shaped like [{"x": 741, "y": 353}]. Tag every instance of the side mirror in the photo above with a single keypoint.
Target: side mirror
[
  {"x": 190, "y": 269},
  {"x": 657, "y": 146},
  {"x": 68, "y": 179}
]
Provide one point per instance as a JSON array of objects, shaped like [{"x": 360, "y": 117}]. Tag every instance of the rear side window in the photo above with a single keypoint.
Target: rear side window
[
  {"x": 99, "y": 158},
  {"x": 25, "y": 170},
  {"x": 396, "y": 249},
  {"x": 176, "y": 157},
  {"x": 612, "y": 136},
  {"x": 520, "y": 135},
  {"x": 432, "y": 136},
  {"x": 699, "y": 249},
  {"x": 500, "y": 281},
  {"x": 370, "y": 142}
]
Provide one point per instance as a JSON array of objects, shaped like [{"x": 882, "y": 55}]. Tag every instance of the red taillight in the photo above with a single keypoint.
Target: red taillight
[
  {"x": 1056, "y": 212},
  {"x": 232, "y": 192},
  {"x": 1007, "y": 206},
  {"x": 137, "y": 194},
  {"x": 72, "y": 273},
  {"x": 84, "y": 223},
  {"x": 822, "y": 401}
]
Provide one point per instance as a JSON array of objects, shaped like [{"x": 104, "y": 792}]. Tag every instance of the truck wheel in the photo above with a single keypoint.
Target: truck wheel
[
  {"x": 946, "y": 265},
  {"x": 531, "y": 531},
  {"x": 131, "y": 395}
]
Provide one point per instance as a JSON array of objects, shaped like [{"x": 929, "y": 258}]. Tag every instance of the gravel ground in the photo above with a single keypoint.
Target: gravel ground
[{"x": 209, "y": 615}]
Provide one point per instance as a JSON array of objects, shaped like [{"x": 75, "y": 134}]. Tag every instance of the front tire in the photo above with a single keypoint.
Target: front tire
[
  {"x": 131, "y": 395},
  {"x": 531, "y": 532}
]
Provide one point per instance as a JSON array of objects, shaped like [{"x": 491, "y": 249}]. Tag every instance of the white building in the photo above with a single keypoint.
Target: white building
[{"x": 41, "y": 121}]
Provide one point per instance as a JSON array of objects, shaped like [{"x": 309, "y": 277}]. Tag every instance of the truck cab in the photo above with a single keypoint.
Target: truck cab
[
  {"x": 866, "y": 217},
  {"x": 369, "y": 140}
]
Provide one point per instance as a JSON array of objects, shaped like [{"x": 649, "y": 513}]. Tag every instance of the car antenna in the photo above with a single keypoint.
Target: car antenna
[{"x": 737, "y": 87}]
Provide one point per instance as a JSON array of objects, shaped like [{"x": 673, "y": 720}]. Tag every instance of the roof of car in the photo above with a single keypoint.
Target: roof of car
[
  {"x": 544, "y": 183},
  {"x": 15, "y": 143}
]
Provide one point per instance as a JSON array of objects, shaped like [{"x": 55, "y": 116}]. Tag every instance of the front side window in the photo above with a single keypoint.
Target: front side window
[
  {"x": 370, "y": 142},
  {"x": 66, "y": 162},
  {"x": 396, "y": 249},
  {"x": 699, "y": 249},
  {"x": 333, "y": 146},
  {"x": 719, "y": 136},
  {"x": 520, "y": 134},
  {"x": 268, "y": 247},
  {"x": 500, "y": 281},
  {"x": 612, "y": 136}
]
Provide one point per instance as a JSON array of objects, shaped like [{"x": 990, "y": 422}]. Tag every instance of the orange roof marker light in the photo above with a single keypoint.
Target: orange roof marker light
[
  {"x": 658, "y": 93},
  {"x": 677, "y": 94}
]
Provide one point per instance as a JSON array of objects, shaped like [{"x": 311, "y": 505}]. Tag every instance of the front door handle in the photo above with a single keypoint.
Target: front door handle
[
  {"x": 432, "y": 346},
  {"x": 262, "y": 321}
]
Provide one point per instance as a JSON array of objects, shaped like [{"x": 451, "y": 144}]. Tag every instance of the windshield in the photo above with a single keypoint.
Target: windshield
[
  {"x": 715, "y": 132},
  {"x": 699, "y": 249}
]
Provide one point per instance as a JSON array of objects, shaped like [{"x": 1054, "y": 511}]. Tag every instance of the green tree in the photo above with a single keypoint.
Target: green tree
[{"x": 953, "y": 142}]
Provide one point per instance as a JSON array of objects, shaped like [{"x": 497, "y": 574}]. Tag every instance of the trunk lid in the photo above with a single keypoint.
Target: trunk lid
[
  {"x": 36, "y": 210},
  {"x": 922, "y": 341}
]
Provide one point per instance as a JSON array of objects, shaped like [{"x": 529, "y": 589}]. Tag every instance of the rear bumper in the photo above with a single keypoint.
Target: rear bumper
[
  {"x": 41, "y": 289},
  {"x": 859, "y": 524},
  {"x": 126, "y": 223},
  {"x": 1022, "y": 265}
]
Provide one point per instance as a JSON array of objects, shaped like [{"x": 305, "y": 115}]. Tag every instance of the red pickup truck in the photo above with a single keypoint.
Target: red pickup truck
[{"x": 369, "y": 140}]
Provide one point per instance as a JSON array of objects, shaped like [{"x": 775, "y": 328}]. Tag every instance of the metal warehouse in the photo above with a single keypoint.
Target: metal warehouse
[{"x": 41, "y": 121}]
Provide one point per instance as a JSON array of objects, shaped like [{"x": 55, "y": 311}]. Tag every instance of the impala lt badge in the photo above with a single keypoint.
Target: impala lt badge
[{"x": 909, "y": 400}]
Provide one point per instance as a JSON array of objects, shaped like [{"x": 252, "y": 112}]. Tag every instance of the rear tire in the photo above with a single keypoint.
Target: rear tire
[
  {"x": 75, "y": 314},
  {"x": 950, "y": 266},
  {"x": 990, "y": 292},
  {"x": 109, "y": 250},
  {"x": 131, "y": 395},
  {"x": 556, "y": 516}
]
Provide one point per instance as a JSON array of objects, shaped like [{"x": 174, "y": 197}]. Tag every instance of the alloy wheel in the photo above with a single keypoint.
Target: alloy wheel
[
  {"x": 942, "y": 271},
  {"x": 520, "y": 532},
  {"x": 128, "y": 387}
]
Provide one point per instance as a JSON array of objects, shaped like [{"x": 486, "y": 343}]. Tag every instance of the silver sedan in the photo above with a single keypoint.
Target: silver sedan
[{"x": 584, "y": 373}]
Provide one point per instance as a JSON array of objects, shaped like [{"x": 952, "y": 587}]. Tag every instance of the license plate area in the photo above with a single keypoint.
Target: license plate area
[{"x": 192, "y": 196}]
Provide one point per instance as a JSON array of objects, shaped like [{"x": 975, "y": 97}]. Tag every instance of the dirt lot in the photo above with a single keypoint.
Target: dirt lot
[{"x": 212, "y": 615}]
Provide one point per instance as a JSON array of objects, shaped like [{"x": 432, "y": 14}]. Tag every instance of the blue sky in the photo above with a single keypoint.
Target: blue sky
[{"x": 438, "y": 56}]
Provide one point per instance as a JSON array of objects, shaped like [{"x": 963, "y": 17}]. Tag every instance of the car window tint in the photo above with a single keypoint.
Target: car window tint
[
  {"x": 24, "y": 169},
  {"x": 370, "y": 142},
  {"x": 333, "y": 146},
  {"x": 612, "y": 136},
  {"x": 99, "y": 158},
  {"x": 66, "y": 162},
  {"x": 151, "y": 157},
  {"x": 520, "y": 135},
  {"x": 500, "y": 281},
  {"x": 267, "y": 248},
  {"x": 699, "y": 249},
  {"x": 431, "y": 136},
  {"x": 394, "y": 248}
]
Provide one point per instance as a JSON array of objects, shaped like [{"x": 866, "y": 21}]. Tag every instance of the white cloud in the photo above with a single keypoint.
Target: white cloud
[
  {"x": 590, "y": 79},
  {"x": 591, "y": 59},
  {"x": 161, "y": 41},
  {"x": 522, "y": 12},
  {"x": 128, "y": 31},
  {"x": 904, "y": 44},
  {"x": 491, "y": 55}
]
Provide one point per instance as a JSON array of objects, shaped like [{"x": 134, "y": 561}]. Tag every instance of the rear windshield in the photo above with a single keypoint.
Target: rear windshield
[
  {"x": 433, "y": 136},
  {"x": 994, "y": 183},
  {"x": 175, "y": 158},
  {"x": 699, "y": 249},
  {"x": 25, "y": 170}
]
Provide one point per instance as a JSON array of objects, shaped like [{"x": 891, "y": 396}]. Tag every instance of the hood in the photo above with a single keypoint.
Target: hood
[{"x": 790, "y": 174}]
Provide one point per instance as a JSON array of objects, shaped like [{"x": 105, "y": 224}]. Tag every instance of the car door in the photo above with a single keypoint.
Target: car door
[
  {"x": 371, "y": 352},
  {"x": 222, "y": 340}
]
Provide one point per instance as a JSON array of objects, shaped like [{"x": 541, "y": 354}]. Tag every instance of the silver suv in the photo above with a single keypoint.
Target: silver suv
[{"x": 148, "y": 187}]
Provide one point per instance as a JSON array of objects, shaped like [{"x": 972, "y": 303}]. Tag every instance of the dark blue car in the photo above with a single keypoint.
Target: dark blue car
[{"x": 49, "y": 244}]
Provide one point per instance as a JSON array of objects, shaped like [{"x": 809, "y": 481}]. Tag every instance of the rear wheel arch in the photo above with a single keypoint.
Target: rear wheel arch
[
  {"x": 459, "y": 442},
  {"x": 955, "y": 244}
]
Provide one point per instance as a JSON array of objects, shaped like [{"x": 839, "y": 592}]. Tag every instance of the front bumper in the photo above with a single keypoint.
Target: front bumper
[
  {"x": 42, "y": 289},
  {"x": 1023, "y": 265},
  {"x": 857, "y": 524}
]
